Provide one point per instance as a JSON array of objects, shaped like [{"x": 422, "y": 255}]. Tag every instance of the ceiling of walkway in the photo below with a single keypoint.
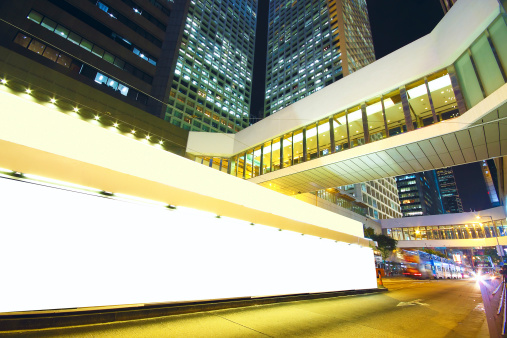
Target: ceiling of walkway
[{"x": 485, "y": 138}]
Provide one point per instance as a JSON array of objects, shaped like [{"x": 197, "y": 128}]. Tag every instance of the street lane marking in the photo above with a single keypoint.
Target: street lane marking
[{"x": 414, "y": 302}]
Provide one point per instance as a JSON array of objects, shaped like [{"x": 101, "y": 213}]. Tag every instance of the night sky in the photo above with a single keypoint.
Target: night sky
[{"x": 394, "y": 24}]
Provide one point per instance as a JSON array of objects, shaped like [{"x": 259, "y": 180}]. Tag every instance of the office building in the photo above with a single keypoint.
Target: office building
[
  {"x": 419, "y": 194},
  {"x": 449, "y": 195},
  {"x": 489, "y": 173},
  {"x": 212, "y": 82},
  {"x": 379, "y": 197},
  {"x": 312, "y": 44}
]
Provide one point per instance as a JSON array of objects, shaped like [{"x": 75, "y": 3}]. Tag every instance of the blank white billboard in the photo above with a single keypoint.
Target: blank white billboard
[{"x": 64, "y": 249}]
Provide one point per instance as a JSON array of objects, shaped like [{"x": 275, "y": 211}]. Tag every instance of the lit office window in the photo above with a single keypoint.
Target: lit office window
[
  {"x": 340, "y": 132},
  {"x": 298, "y": 146},
  {"x": 355, "y": 120},
  {"x": 375, "y": 115},
  {"x": 324, "y": 137}
]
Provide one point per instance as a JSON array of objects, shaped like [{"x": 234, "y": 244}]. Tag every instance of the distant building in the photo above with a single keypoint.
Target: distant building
[
  {"x": 379, "y": 197},
  {"x": 419, "y": 194},
  {"x": 488, "y": 171},
  {"x": 451, "y": 201}
]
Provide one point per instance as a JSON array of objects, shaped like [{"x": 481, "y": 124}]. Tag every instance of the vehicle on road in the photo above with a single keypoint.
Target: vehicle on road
[{"x": 422, "y": 265}]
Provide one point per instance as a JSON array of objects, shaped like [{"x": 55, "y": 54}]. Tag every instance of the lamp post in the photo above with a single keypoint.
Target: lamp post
[{"x": 496, "y": 236}]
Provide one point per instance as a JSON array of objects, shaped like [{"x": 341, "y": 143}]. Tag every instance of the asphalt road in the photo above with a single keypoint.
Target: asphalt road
[{"x": 442, "y": 308}]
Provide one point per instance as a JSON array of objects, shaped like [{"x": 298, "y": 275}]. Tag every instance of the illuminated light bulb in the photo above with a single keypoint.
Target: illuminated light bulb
[
  {"x": 76, "y": 109},
  {"x": 97, "y": 117},
  {"x": 4, "y": 81},
  {"x": 147, "y": 137},
  {"x": 115, "y": 124},
  {"x": 161, "y": 142},
  {"x": 28, "y": 90},
  {"x": 133, "y": 131},
  {"x": 53, "y": 100}
]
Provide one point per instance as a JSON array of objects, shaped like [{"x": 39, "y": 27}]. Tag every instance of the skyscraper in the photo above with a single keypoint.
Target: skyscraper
[
  {"x": 419, "y": 194},
  {"x": 312, "y": 44},
  {"x": 451, "y": 201},
  {"x": 380, "y": 197},
  {"x": 489, "y": 173},
  {"x": 212, "y": 81}
]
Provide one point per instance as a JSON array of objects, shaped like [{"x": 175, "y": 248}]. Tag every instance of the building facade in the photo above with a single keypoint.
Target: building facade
[
  {"x": 419, "y": 194},
  {"x": 212, "y": 82},
  {"x": 451, "y": 202},
  {"x": 489, "y": 173},
  {"x": 312, "y": 44},
  {"x": 379, "y": 197}
]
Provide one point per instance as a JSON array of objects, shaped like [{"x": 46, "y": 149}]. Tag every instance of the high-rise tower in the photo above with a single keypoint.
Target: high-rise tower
[
  {"x": 212, "y": 80},
  {"x": 419, "y": 194},
  {"x": 451, "y": 201},
  {"x": 312, "y": 44}
]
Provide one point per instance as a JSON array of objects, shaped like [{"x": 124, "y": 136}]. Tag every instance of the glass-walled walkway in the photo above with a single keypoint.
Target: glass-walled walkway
[{"x": 497, "y": 228}]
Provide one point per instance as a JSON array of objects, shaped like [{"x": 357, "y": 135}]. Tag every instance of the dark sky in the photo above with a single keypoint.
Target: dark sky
[
  {"x": 259, "y": 75},
  {"x": 396, "y": 23}
]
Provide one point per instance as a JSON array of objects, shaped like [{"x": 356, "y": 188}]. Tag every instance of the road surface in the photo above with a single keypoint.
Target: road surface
[{"x": 442, "y": 308}]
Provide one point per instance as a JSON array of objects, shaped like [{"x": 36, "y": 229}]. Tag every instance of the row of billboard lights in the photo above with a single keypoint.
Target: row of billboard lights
[
  {"x": 51, "y": 182},
  {"x": 96, "y": 117}
]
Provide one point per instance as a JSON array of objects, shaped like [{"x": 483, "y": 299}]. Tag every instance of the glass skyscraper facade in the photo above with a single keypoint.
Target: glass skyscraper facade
[
  {"x": 358, "y": 44},
  {"x": 312, "y": 44},
  {"x": 419, "y": 194},
  {"x": 451, "y": 201},
  {"x": 212, "y": 80},
  {"x": 489, "y": 174}
]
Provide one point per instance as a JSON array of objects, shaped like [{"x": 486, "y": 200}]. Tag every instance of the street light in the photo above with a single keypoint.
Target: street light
[{"x": 496, "y": 235}]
